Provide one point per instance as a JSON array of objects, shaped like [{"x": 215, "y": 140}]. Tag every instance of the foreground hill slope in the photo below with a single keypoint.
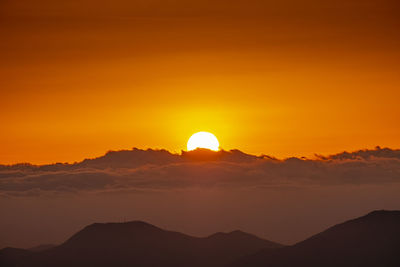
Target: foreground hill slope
[
  {"x": 372, "y": 240},
  {"x": 139, "y": 244}
]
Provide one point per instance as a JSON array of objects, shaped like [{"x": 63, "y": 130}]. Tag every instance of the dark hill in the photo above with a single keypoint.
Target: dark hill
[
  {"x": 139, "y": 244},
  {"x": 369, "y": 241},
  {"x": 372, "y": 240}
]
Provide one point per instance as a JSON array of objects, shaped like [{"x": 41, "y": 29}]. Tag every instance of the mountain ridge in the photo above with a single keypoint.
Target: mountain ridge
[
  {"x": 370, "y": 240},
  {"x": 139, "y": 243}
]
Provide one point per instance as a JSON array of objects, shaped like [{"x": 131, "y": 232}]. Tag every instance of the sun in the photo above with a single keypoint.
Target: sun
[{"x": 203, "y": 140}]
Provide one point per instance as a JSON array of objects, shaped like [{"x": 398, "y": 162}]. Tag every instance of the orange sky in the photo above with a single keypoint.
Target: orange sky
[{"x": 79, "y": 78}]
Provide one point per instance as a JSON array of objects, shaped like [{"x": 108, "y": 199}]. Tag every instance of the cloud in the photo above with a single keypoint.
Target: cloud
[{"x": 159, "y": 170}]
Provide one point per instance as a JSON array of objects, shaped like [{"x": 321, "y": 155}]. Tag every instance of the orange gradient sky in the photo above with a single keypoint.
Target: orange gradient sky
[{"x": 292, "y": 78}]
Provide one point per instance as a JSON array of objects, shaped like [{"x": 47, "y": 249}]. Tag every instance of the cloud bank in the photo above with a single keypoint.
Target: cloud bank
[{"x": 159, "y": 170}]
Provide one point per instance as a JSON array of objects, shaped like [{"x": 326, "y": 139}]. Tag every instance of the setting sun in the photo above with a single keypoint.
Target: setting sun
[{"x": 203, "y": 140}]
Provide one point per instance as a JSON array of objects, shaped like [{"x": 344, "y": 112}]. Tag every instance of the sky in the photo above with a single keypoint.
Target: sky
[{"x": 283, "y": 78}]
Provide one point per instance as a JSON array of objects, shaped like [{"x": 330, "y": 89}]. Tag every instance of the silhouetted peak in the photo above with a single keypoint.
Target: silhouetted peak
[
  {"x": 102, "y": 233},
  {"x": 371, "y": 240},
  {"x": 376, "y": 225},
  {"x": 383, "y": 213},
  {"x": 122, "y": 225},
  {"x": 137, "y": 243},
  {"x": 238, "y": 232},
  {"x": 378, "y": 216}
]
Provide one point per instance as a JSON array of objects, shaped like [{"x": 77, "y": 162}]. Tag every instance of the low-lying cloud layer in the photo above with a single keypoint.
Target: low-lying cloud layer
[{"x": 158, "y": 170}]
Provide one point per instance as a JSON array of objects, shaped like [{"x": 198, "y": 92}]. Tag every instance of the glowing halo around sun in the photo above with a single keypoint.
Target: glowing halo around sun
[{"x": 203, "y": 140}]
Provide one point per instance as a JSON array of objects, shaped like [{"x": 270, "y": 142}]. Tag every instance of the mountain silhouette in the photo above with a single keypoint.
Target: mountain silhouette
[
  {"x": 139, "y": 244},
  {"x": 372, "y": 240}
]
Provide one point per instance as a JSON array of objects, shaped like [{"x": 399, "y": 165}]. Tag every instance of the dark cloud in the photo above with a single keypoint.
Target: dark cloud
[
  {"x": 143, "y": 170},
  {"x": 378, "y": 152}
]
